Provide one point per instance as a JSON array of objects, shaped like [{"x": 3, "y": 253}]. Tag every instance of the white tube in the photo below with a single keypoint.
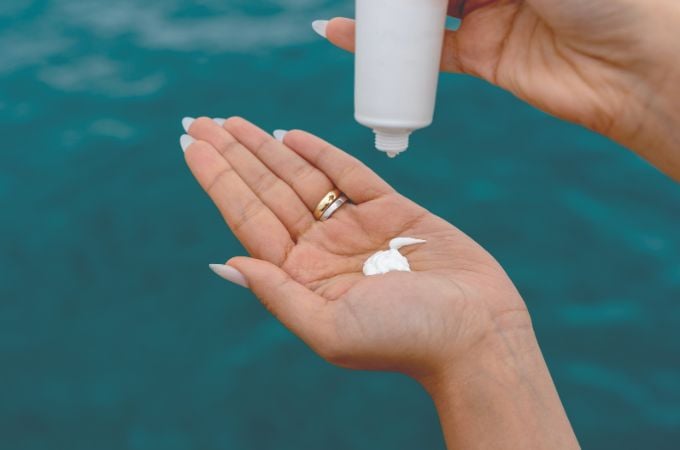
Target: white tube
[{"x": 398, "y": 52}]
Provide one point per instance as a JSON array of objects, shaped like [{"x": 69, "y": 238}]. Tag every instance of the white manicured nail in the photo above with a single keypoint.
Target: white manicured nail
[
  {"x": 186, "y": 123},
  {"x": 185, "y": 141},
  {"x": 320, "y": 27},
  {"x": 279, "y": 134},
  {"x": 230, "y": 274},
  {"x": 219, "y": 121}
]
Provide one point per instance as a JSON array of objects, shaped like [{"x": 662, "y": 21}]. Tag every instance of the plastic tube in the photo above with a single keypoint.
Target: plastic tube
[{"x": 398, "y": 52}]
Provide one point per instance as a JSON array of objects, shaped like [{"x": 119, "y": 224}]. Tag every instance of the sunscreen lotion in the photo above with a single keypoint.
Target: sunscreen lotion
[{"x": 398, "y": 53}]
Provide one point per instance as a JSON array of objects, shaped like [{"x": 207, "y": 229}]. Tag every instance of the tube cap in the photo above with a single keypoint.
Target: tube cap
[{"x": 392, "y": 142}]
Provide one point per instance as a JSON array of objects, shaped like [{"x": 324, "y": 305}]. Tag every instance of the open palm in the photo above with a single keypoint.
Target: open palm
[{"x": 309, "y": 273}]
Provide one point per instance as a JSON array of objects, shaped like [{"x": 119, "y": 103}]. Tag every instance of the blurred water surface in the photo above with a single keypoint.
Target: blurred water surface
[{"x": 113, "y": 333}]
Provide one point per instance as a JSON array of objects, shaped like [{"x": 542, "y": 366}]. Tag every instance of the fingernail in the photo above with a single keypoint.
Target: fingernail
[
  {"x": 279, "y": 134},
  {"x": 186, "y": 123},
  {"x": 219, "y": 121},
  {"x": 229, "y": 273},
  {"x": 320, "y": 27},
  {"x": 185, "y": 141}
]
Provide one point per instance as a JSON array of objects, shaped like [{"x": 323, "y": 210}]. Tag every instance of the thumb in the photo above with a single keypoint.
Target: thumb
[
  {"x": 308, "y": 315},
  {"x": 340, "y": 31}
]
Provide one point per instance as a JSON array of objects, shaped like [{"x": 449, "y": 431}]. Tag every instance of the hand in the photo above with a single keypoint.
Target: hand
[
  {"x": 455, "y": 323},
  {"x": 610, "y": 65},
  {"x": 309, "y": 273}
]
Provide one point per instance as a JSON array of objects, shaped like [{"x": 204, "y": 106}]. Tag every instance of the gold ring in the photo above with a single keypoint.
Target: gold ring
[{"x": 325, "y": 202}]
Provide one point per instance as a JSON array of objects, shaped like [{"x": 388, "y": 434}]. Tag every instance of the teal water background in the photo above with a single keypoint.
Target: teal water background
[{"x": 115, "y": 335}]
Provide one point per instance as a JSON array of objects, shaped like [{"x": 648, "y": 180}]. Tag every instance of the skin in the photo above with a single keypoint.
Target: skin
[
  {"x": 609, "y": 65},
  {"x": 456, "y": 323}
]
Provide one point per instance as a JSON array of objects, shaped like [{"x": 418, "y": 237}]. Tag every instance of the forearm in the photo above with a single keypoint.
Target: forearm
[{"x": 502, "y": 397}]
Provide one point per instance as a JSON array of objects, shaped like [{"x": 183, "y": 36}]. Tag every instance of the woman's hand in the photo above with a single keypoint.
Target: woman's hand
[
  {"x": 309, "y": 273},
  {"x": 455, "y": 318},
  {"x": 610, "y": 65}
]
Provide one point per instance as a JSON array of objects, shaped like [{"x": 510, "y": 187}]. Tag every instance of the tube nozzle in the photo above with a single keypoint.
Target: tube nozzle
[{"x": 392, "y": 142}]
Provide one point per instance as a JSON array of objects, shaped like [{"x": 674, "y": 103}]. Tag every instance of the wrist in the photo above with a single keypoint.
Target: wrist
[
  {"x": 501, "y": 395},
  {"x": 508, "y": 354}
]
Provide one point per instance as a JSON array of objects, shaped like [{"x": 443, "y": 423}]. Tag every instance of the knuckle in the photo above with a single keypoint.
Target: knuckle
[
  {"x": 301, "y": 172},
  {"x": 263, "y": 146},
  {"x": 323, "y": 154},
  {"x": 347, "y": 172},
  {"x": 251, "y": 209},
  {"x": 264, "y": 183},
  {"x": 217, "y": 179},
  {"x": 301, "y": 223},
  {"x": 229, "y": 147}
]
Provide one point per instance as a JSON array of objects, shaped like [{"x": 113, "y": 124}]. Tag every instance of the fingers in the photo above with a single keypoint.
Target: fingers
[
  {"x": 340, "y": 32},
  {"x": 308, "y": 182},
  {"x": 451, "y": 56},
  {"x": 254, "y": 224},
  {"x": 276, "y": 195},
  {"x": 457, "y": 8},
  {"x": 306, "y": 314},
  {"x": 350, "y": 175}
]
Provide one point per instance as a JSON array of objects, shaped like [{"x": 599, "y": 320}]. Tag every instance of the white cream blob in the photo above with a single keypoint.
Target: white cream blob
[{"x": 390, "y": 260}]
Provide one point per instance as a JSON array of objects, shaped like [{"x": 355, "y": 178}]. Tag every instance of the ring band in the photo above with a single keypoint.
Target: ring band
[
  {"x": 333, "y": 207},
  {"x": 325, "y": 202}
]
